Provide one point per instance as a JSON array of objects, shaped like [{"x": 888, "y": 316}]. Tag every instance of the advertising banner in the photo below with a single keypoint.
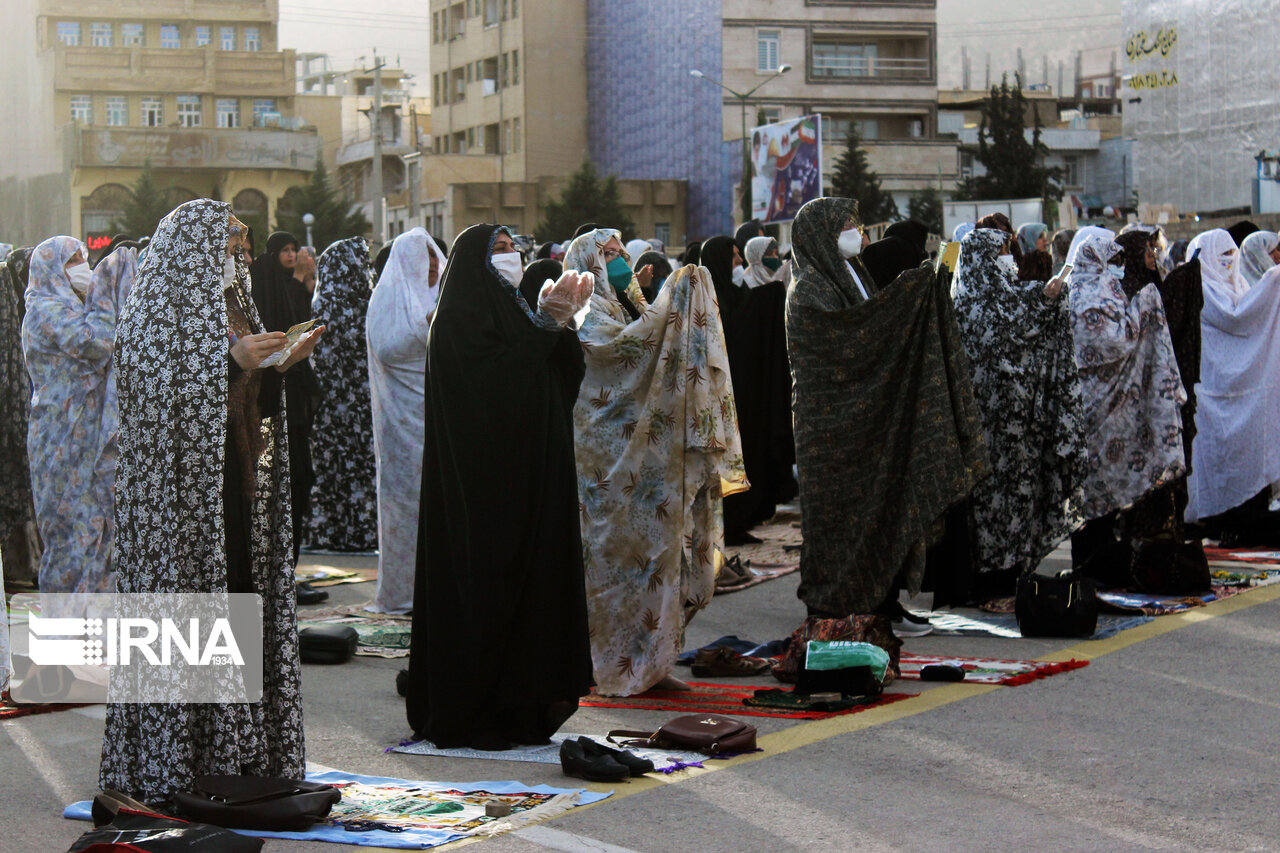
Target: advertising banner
[{"x": 786, "y": 167}]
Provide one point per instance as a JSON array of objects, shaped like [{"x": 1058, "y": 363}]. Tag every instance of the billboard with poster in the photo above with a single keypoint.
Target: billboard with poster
[{"x": 786, "y": 167}]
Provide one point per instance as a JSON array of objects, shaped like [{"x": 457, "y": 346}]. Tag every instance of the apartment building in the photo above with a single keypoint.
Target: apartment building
[
  {"x": 197, "y": 89},
  {"x": 867, "y": 65}
]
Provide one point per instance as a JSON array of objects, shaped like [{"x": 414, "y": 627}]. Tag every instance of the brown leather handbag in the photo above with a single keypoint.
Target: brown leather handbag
[{"x": 710, "y": 734}]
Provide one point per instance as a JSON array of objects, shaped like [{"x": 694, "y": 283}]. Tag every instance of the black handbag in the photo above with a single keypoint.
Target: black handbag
[
  {"x": 255, "y": 802},
  {"x": 122, "y": 825},
  {"x": 327, "y": 643},
  {"x": 1168, "y": 566},
  {"x": 1061, "y": 605}
]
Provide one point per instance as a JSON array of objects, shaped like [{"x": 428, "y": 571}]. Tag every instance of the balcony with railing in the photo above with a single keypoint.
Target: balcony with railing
[
  {"x": 852, "y": 60},
  {"x": 197, "y": 70}
]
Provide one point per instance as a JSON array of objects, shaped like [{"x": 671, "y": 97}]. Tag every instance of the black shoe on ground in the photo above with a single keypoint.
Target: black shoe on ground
[
  {"x": 307, "y": 594},
  {"x": 575, "y": 762},
  {"x": 635, "y": 764}
]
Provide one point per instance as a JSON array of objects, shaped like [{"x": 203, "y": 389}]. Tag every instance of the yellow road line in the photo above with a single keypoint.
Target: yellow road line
[{"x": 808, "y": 733}]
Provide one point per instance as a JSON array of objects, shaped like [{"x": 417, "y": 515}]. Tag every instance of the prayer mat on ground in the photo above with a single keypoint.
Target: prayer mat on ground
[
  {"x": 321, "y": 576},
  {"x": 664, "y": 760},
  {"x": 378, "y": 811},
  {"x": 1263, "y": 556},
  {"x": 324, "y": 552},
  {"x": 978, "y": 623},
  {"x": 382, "y": 635},
  {"x": 990, "y": 670},
  {"x": 709, "y": 698}
]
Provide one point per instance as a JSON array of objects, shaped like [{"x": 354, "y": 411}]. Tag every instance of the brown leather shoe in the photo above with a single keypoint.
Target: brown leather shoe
[{"x": 722, "y": 662}]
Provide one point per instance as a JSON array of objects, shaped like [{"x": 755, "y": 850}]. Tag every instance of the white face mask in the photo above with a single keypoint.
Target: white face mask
[
  {"x": 1008, "y": 264},
  {"x": 80, "y": 276},
  {"x": 228, "y": 272},
  {"x": 850, "y": 243},
  {"x": 509, "y": 267},
  {"x": 739, "y": 275}
]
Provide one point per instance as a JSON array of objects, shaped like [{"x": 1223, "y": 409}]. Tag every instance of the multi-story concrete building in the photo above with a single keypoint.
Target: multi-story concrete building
[
  {"x": 197, "y": 89},
  {"x": 867, "y": 65}
]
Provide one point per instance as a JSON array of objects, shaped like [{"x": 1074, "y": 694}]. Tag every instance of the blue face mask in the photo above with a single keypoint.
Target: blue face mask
[
  {"x": 1116, "y": 272},
  {"x": 619, "y": 272}
]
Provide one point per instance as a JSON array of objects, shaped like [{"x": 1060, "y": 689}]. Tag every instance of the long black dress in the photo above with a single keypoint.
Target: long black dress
[
  {"x": 283, "y": 301},
  {"x": 500, "y": 648},
  {"x": 755, "y": 337}
]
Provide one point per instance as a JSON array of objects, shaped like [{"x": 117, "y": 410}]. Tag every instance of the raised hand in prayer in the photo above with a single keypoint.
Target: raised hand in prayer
[
  {"x": 645, "y": 276},
  {"x": 304, "y": 268},
  {"x": 250, "y": 350},
  {"x": 1052, "y": 289},
  {"x": 565, "y": 298}
]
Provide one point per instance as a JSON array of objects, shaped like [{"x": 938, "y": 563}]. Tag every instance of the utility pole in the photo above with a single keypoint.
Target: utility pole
[{"x": 379, "y": 221}]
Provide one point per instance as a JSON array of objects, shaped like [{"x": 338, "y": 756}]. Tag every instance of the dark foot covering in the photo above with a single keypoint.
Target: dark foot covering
[
  {"x": 575, "y": 762},
  {"x": 635, "y": 764},
  {"x": 307, "y": 594}
]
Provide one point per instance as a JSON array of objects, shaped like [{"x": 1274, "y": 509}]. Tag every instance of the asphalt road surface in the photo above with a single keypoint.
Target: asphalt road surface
[{"x": 1168, "y": 740}]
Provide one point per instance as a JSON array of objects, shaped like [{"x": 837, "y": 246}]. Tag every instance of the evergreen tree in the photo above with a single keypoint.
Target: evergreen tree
[
  {"x": 147, "y": 205},
  {"x": 336, "y": 218},
  {"x": 1014, "y": 164},
  {"x": 925, "y": 207},
  {"x": 586, "y": 198},
  {"x": 854, "y": 179}
]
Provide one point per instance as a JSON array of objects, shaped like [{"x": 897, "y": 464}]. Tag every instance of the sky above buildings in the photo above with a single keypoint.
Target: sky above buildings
[{"x": 349, "y": 32}]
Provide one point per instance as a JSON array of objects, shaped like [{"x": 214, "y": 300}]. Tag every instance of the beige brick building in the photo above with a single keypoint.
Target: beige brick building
[{"x": 196, "y": 88}]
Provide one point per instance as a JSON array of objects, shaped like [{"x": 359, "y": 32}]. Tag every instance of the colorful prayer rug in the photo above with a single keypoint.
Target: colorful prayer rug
[
  {"x": 10, "y": 710},
  {"x": 978, "y": 623},
  {"x": 710, "y": 698},
  {"x": 378, "y": 811},
  {"x": 664, "y": 760},
  {"x": 381, "y": 635},
  {"x": 321, "y": 576},
  {"x": 990, "y": 670}
]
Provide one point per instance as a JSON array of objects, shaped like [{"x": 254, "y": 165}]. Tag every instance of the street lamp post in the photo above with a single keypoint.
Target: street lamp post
[
  {"x": 308, "y": 220},
  {"x": 746, "y": 148}
]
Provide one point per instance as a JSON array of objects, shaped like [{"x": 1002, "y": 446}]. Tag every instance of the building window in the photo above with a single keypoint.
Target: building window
[
  {"x": 117, "y": 110},
  {"x": 69, "y": 33},
  {"x": 435, "y": 27},
  {"x": 490, "y": 13},
  {"x": 82, "y": 109},
  {"x": 189, "y": 112},
  {"x": 843, "y": 59},
  {"x": 133, "y": 35},
  {"x": 252, "y": 41},
  {"x": 771, "y": 115},
  {"x": 662, "y": 232},
  {"x": 471, "y": 139},
  {"x": 1071, "y": 171},
  {"x": 504, "y": 72},
  {"x": 203, "y": 35},
  {"x": 100, "y": 34},
  {"x": 515, "y": 135},
  {"x": 170, "y": 36},
  {"x": 515, "y": 8},
  {"x": 228, "y": 112},
  {"x": 227, "y": 38},
  {"x": 836, "y": 129},
  {"x": 263, "y": 107},
  {"x": 768, "y": 51},
  {"x": 152, "y": 112}
]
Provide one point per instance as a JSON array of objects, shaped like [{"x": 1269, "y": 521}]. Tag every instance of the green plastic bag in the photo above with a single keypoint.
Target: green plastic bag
[{"x": 842, "y": 654}]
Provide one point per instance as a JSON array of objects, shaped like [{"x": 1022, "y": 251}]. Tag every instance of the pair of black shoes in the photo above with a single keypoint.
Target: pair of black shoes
[
  {"x": 585, "y": 759},
  {"x": 307, "y": 594}
]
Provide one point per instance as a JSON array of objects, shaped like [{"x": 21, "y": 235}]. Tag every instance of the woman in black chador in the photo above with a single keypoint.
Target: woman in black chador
[{"x": 500, "y": 652}]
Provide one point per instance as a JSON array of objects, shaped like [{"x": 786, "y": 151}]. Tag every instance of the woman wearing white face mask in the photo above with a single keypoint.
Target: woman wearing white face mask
[
  {"x": 67, "y": 339},
  {"x": 1132, "y": 393}
]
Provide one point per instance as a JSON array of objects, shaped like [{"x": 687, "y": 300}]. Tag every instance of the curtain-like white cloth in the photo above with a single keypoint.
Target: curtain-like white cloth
[
  {"x": 1236, "y": 452},
  {"x": 399, "y": 317}
]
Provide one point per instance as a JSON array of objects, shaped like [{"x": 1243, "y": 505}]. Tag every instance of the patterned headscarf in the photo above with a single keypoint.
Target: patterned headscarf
[{"x": 815, "y": 252}]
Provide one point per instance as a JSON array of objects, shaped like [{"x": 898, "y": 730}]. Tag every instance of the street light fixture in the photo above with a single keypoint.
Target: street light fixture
[
  {"x": 308, "y": 220},
  {"x": 746, "y": 148}
]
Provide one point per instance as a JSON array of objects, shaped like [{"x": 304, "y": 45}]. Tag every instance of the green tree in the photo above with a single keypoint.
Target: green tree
[
  {"x": 925, "y": 207},
  {"x": 148, "y": 203},
  {"x": 586, "y": 198},
  {"x": 1014, "y": 164},
  {"x": 336, "y": 218},
  {"x": 853, "y": 178}
]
